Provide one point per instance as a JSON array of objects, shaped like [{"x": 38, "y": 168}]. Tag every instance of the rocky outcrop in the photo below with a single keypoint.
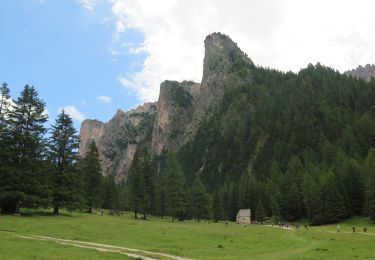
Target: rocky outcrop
[
  {"x": 366, "y": 73},
  {"x": 175, "y": 118},
  {"x": 118, "y": 139}
]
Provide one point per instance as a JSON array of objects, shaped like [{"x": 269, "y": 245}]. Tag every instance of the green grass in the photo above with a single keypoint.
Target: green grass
[{"x": 188, "y": 239}]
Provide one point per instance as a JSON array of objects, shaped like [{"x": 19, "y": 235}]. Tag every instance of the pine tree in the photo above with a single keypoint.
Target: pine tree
[
  {"x": 291, "y": 203},
  {"x": 369, "y": 171},
  {"x": 276, "y": 215},
  {"x": 111, "y": 194},
  {"x": 201, "y": 203},
  {"x": 136, "y": 186},
  {"x": 149, "y": 177},
  {"x": 176, "y": 200},
  {"x": 63, "y": 145},
  {"x": 26, "y": 182},
  {"x": 333, "y": 204},
  {"x": 260, "y": 214},
  {"x": 93, "y": 177},
  {"x": 217, "y": 208}
]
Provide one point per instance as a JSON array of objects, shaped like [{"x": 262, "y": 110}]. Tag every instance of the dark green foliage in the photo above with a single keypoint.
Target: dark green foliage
[
  {"x": 24, "y": 178},
  {"x": 93, "y": 177},
  {"x": 111, "y": 198},
  {"x": 369, "y": 170},
  {"x": 175, "y": 190},
  {"x": 63, "y": 148},
  {"x": 217, "y": 208},
  {"x": 282, "y": 132},
  {"x": 260, "y": 214},
  {"x": 201, "y": 201},
  {"x": 181, "y": 97},
  {"x": 333, "y": 208}
]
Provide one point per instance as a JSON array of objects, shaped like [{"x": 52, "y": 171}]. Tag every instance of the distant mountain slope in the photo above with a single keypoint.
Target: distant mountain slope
[{"x": 366, "y": 73}]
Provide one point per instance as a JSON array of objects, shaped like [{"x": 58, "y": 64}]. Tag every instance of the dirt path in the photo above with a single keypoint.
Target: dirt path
[{"x": 136, "y": 253}]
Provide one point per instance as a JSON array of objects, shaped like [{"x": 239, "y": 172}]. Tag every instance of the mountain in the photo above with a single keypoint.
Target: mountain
[
  {"x": 242, "y": 121},
  {"x": 174, "y": 119},
  {"x": 118, "y": 139},
  {"x": 366, "y": 73}
]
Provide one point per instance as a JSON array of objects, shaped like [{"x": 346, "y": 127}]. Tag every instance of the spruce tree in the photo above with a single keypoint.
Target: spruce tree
[
  {"x": 333, "y": 204},
  {"x": 176, "y": 200},
  {"x": 201, "y": 203},
  {"x": 111, "y": 194},
  {"x": 369, "y": 171},
  {"x": 136, "y": 186},
  {"x": 63, "y": 145},
  {"x": 276, "y": 215},
  {"x": 217, "y": 208},
  {"x": 93, "y": 177},
  {"x": 260, "y": 214},
  {"x": 26, "y": 182}
]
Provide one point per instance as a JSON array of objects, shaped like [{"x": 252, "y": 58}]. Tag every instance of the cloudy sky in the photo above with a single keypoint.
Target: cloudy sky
[{"x": 92, "y": 57}]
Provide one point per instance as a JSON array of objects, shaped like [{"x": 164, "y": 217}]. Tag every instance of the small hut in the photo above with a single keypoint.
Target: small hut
[{"x": 244, "y": 216}]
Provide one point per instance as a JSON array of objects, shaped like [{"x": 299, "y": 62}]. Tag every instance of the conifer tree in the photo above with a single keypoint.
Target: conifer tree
[
  {"x": 276, "y": 215},
  {"x": 260, "y": 214},
  {"x": 217, "y": 208},
  {"x": 201, "y": 203},
  {"x": 63, "y": 145},
  {"x": 176, "y": 200},
  {"x": 333, "y": 209},
  {"x": 93, "y": 177},
  {"x": 136, "y": 186},
  {"x": 111, "y": 194},
  {"x": 369, "y": 166},
  {"x": 27, "y": 183}
]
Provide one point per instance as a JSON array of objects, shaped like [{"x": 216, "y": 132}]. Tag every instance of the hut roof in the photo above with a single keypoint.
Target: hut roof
[{"x": 244, "y": 213}]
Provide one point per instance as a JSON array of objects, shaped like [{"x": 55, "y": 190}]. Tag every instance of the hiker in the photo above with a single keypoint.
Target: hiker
[
  {"x": 365, "y": 229},
  {"x": 338, "y": 228},
  {"x": 353, "y": 229}
]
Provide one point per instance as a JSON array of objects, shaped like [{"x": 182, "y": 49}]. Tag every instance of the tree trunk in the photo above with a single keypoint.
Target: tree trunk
[
  {"x": 144, "y": 216},
  {"x": 135, "y": 214},
  {"x": 56, "y": 209}
]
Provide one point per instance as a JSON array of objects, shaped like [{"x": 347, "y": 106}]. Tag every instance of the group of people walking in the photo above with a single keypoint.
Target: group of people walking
[{"x": 353, "y": 228}]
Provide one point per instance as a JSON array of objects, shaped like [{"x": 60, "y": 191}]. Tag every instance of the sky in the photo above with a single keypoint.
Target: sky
[{"x": 92, "y": 57}]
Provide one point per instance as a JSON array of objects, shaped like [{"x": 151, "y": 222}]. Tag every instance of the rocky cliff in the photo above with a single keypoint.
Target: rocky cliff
[
  {"x": 366, "y": 73},
  {"x": 175, "y": 118},
  {"x": 118, "y": 139}
]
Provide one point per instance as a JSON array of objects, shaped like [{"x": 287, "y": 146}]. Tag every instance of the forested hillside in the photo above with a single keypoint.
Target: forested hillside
[{"x": 294, "y": 144}]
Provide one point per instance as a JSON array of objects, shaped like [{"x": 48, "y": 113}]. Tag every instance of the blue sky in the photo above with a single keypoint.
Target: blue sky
[{"x": 62, "y": 49}]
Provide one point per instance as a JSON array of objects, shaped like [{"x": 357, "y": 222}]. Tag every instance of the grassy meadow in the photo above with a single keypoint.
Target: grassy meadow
[{"x": 187, "y": 239}]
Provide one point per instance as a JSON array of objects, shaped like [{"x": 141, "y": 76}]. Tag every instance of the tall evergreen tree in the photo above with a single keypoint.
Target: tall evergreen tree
[
  {"x": 93, "y": 177},
  {"x": 201, "y": 203},
  {"x": 176, "y": 200},
  {"x": 26, "y": 184},
  {"x": 369, "y": 166},
  {"x": 333, "y": 204},
  {"x": 217, "y": 207},
  {"x": 260, "y": 214},
  {"x": 111, "y": 194},
  {"x": 63, "y": 145},
  {"x": 136, "y": 186}
]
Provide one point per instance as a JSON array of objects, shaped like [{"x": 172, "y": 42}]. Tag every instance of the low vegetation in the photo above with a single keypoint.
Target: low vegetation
[{"x": 187, "y": 239}]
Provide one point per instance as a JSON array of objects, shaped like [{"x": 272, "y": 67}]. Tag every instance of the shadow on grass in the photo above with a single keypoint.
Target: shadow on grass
[{"x": 43, "y": 213}]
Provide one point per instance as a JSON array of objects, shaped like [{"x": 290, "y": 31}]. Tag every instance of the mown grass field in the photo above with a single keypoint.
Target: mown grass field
[{"x": 187, "y": 239}]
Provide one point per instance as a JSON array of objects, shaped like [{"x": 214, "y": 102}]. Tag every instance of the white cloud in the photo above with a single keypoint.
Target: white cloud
[
  {"x": 87, "y": 4},
  {"x": 72, "y": 112},
  {"x": 83, "y": 103},
  {"x": 105, "y": 99},
  {"x": 283, "y": 34}
]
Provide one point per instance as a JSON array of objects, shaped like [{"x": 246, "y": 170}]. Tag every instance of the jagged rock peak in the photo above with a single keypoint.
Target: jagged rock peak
[
  {"x": 220, "y": 54},
  {"x": 366, "y": 72}
]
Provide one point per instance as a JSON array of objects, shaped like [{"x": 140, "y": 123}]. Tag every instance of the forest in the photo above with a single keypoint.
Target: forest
[{"x": 286, "y": 145}]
